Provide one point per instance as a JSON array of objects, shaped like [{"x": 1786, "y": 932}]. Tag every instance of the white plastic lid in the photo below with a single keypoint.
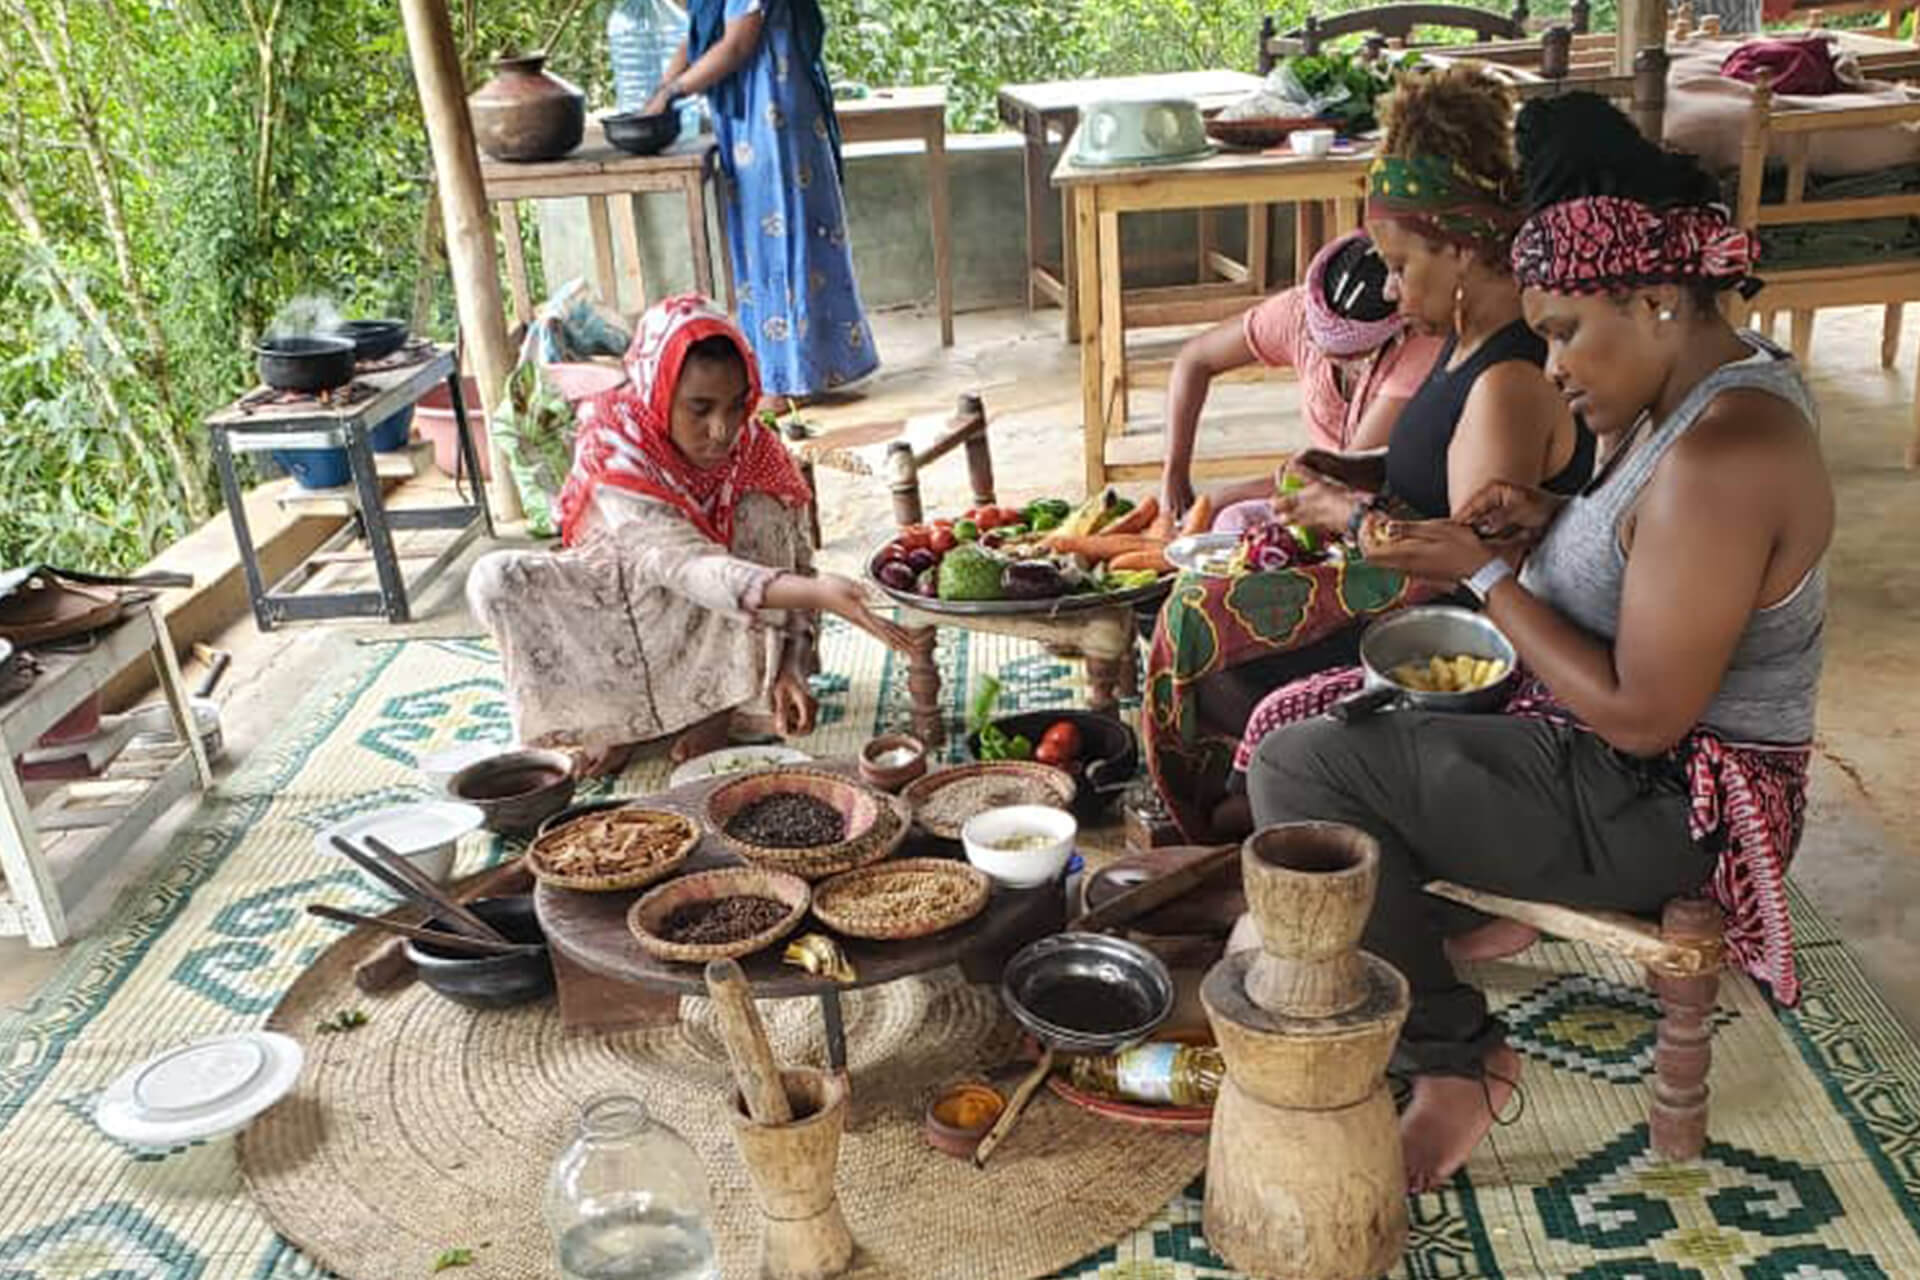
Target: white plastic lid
[{"x": 200, "y": 1090}]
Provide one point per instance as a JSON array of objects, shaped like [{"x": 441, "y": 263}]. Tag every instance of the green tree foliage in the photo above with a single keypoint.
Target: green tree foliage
[{"x": 173, "y": 172}]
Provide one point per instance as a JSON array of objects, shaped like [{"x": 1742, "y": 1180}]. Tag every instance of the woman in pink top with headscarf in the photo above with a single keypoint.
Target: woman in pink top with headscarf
[{"x": 1343, "y": 336}]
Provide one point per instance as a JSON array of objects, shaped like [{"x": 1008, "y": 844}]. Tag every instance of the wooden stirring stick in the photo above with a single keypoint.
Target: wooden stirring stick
[
  {"x": 450, "y": 907},
  {"x": 1015, "y": 1105},
  {"x": 438, "y": 937},
  {"x": 746, "y": 1038},
  {"x": 409, "y": 892}
]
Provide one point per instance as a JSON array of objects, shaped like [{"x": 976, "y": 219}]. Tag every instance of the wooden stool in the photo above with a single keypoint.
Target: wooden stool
[
  {"x": 967, "y": 430},
  {"x": 1683, "y": 955}
]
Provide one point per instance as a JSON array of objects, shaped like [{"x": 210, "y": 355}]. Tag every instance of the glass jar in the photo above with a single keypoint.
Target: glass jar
[{"x": 628, "y": 1199}]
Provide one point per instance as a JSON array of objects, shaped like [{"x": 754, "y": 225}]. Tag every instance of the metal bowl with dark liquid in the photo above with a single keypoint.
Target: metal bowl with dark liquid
[
  {"x": 311, "y": 364},
  {"x": 374, "y": 339},
  {"x": 1087, "y": 992}
]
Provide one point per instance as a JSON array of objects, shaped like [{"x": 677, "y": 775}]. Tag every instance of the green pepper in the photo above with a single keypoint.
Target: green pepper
[
  {"x": 1011, "y": 531},
  {"x": 1058, "y": 508},
  {"x": 1018, "y": 748},
  {"x": 981, "y": 712},
  {"x": 1042, "y": 521},
  {"x": 965, "y": 531}
]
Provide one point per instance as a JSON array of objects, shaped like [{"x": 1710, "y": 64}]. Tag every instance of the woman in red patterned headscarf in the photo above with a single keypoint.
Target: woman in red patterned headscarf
[{"x": 686, "y": 590}]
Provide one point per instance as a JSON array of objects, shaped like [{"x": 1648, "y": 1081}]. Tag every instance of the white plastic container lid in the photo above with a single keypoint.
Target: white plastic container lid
[{"x": 201, "y": 1090}]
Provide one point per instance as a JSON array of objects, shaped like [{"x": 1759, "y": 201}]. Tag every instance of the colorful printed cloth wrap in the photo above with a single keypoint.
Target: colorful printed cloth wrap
[
  {"x": 1600, "y": 243},
  {"x": 624, "y": 436},
  {"x": 1748, "y": 808},
  {"x": 1339, "y": 336},
  {"x": 1441, "y": 199},
  {"x": 1209, "y": 626}
]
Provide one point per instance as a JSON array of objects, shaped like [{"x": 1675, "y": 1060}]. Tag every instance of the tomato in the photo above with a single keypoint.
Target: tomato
[
  {"x": 1049, "y": 753},
  {"x": 1007, "y": 515},
  {"x": 943, "y": 524},
  {"x": 1064, "y": 739},
  {"x": 943, "y": 540},
  {"x": 915, "y": 537}
]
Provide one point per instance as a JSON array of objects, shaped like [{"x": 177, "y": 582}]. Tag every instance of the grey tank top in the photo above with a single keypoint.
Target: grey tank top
[{"x": 1770, "y": 687}]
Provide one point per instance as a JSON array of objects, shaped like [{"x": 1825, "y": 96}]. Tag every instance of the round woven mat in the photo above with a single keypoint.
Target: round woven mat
[{"x": 432, "y": 1127}]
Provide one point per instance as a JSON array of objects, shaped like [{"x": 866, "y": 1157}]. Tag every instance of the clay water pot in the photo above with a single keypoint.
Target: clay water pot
[{"x": 526, "y": 113}]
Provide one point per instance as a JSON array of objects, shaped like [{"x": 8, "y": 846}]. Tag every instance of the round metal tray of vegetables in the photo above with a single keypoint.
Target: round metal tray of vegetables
[{"x": 1047, "y": 557}]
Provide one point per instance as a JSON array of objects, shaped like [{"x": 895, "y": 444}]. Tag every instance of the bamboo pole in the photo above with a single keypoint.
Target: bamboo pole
[
  {"x": 463, "y": 204},
  {"x": 1643, "y": 25}
]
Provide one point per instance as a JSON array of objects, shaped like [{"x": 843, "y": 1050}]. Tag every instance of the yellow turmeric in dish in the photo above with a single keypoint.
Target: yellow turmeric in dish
[{"x": 971, "y": 1109}]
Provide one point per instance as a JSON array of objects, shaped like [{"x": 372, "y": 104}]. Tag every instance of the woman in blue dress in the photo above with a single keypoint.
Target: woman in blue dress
[{"x": 759, "y": 63}]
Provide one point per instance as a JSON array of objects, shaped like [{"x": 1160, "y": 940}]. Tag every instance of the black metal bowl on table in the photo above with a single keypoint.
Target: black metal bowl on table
[
  {"x": 641, "y": 135},
  {"x": 314, "y": 363},
  {"x": 489, "y": 982},
  {"x": 374, "y": 339},
  {"x": 1109, "y": 753}
]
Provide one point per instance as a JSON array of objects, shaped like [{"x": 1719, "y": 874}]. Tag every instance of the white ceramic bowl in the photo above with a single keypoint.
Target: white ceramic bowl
[
  {"x": 1311, "y": 142},
  {"x": 423, "y": 834},
  {"x": 1020, "y": 868}
]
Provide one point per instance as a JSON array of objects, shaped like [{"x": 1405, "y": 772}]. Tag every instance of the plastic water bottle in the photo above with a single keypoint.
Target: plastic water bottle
[{"x": 642, "y": 37}]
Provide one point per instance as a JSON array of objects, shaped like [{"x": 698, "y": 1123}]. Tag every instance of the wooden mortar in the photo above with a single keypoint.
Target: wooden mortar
[
  {"x": 1305, "y": 1179},
  {"x": 804, "y": 1235}
]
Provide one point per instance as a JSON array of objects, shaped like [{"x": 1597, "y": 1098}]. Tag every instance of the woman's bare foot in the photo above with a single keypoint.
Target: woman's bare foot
[
  {"x": 605, "y": 762},
  {"x": 709, "y": 735},
  {"x": 1495, "y": 940},
  {"x": 1450, "y": 1114}
]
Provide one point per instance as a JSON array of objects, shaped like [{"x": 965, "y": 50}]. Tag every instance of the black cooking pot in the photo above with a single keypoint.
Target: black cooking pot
[
  {"x": 374, "y": 339},
  {"x": 1109, "y": 753},
  {"x": 642, "y": 135},
  {"x": 309, "y": 364}
]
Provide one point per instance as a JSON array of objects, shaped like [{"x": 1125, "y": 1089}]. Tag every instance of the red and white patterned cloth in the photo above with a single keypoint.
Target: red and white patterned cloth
[
  {"x": 1599, "y": 244},
  {"x": 1748, "y": 807},
  {"x": 624, "y": 435}
]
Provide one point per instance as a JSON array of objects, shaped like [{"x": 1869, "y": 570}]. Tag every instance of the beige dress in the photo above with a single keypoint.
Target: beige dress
[{"x": 647, "y": 627}]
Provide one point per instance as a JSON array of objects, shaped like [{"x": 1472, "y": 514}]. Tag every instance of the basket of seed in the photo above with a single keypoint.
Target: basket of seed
[
  {"x": 911, "y": 898},
  {"x": 944, "y": 802},
  {"x": 806, "y": 822},
  {"x": 606, "y": 850},
  {"x": 718, "y": 915}
]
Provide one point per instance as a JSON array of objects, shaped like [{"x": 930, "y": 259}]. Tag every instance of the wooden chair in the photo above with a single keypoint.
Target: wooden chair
[
  {"x": 1802, "y": 291},
  {"x": 1388, "y": 24},
  {"x": 1683, "y": 954},
  {"x": 907, "y": 452}
]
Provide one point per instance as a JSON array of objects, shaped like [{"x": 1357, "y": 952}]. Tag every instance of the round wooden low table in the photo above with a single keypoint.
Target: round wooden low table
[{"x": 590, "y": 930}]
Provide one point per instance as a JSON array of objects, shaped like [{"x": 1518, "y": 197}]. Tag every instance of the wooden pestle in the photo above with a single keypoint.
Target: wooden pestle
[{"x": 746, "y": 1039}]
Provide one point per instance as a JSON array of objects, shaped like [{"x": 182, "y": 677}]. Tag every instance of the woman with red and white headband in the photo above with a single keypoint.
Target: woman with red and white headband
[{"x": 1670, "y": 618}]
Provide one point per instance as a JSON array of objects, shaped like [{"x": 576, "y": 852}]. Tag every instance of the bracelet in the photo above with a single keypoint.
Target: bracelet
[{"x": 1487, "y": 577}]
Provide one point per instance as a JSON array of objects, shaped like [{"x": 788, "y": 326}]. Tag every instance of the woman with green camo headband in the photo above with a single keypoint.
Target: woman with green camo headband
[{"x": 1442, "y": 209}]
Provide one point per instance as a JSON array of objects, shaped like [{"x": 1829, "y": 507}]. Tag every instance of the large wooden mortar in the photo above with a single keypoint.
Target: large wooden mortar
[
  {"x": 804, "y": 1236},
  {"x": 1304, "y": 1173}
]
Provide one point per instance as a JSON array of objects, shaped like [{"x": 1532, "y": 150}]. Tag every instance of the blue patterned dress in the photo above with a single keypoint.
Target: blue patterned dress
[{"x": 793, "y": 270}]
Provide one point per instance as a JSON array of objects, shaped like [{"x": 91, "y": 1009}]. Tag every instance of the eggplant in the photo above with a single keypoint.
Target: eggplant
[
  {"x": 1034, "y": 580},
  {"x": 928, "y": 583},
  {"x": 898, "y": 575},
  {"x": 920, "y": 559}
]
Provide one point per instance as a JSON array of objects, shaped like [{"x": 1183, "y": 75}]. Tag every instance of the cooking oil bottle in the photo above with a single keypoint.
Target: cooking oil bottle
[{"x": 1181, "y": 1075}]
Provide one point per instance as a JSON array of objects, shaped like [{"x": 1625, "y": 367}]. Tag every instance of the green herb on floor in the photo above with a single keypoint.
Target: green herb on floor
[
  {"x": 344, "y": 1021},
  {"x": 452, "y": 1258}
]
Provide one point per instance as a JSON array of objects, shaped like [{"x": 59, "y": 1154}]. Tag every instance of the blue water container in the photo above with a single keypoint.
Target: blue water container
[
  {"x": 315, "y": 468},
  {"x": 391, "y": 434}
]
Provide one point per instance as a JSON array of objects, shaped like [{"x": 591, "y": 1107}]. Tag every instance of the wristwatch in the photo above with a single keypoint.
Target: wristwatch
[{"x": 1487, "y": 577}]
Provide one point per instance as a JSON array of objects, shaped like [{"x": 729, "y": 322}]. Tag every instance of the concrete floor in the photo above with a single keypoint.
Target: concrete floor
[{"x": 1860, "y": 863}]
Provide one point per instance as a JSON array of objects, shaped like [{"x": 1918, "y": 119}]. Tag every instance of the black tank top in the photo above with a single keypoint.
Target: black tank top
[{"x": 1417, "y": 452}]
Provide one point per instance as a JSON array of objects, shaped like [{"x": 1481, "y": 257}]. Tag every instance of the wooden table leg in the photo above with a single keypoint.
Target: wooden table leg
[
  {"x": 1093, "y": 424},
  {"x": 697, "y": 240},
  {"x": 942, "y": 209},
  {"x": 1259, "y": 249},
  {"x": 1113, "y": 326},
  {"x": 923, "y": 685},
  {"x": 1033, "y": 162},
  {"x": 632, "y": 270},
  {"x": 23, "y": 861},
  {"x": 726, "y": 238},
  {"x": 836, "y": 1027},
  {"x": 1683, "y": 1049},
  {"x": 1204, "y": 246},
  {"x": 1103, "y": 682},
  {"x": 516, "y": 262},
  {"x": 600, "y": 221}
]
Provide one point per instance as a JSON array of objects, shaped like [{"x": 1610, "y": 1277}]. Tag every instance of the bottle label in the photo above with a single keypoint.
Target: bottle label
[{"x": 1146, "y": 1073}]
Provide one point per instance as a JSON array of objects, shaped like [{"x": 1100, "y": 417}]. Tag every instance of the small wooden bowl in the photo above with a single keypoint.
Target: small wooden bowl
[
  {"x": 898, "y": 776},
  {"x": 650, "y": 913},
  {"x": 516, "y": 790},
  {"x": 637, "y": 878},
  {"x": 960, "y": 1141}
]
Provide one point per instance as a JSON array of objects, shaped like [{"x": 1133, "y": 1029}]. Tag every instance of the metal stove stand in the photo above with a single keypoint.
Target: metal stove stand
[{"x": 260, "y": 424}]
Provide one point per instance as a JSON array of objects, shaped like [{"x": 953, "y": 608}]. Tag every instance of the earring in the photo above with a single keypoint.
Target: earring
[
  {"x": 1459, "y": 306},
  {"x": 1666, "y": 315}
]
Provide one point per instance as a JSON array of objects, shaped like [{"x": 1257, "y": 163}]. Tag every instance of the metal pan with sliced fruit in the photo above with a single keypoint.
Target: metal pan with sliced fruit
[{"x": 1436, "y": 658}]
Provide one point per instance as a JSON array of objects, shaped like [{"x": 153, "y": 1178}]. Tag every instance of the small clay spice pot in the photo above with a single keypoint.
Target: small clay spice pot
[
  {"x": 961, "y": 1116},
  {"x": 892, "y": 760}
]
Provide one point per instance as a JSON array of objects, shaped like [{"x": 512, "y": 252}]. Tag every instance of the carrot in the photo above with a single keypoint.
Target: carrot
[
  {"x": 1163, "y": 527},
  {"x": 1136, "y": 520},
  {"x": 1200, "y": 519},
  {"x": 1102, "y": 546},
  {"x": 1154, "y": 560}
]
